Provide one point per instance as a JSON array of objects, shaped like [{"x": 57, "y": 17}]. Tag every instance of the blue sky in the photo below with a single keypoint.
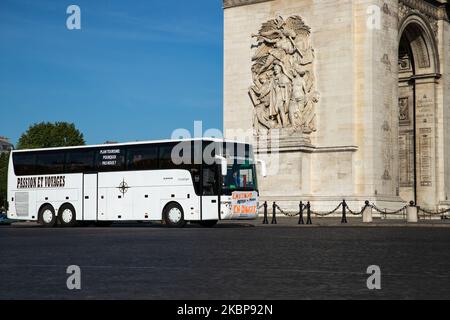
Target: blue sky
[{"x": 136, "y": 70}]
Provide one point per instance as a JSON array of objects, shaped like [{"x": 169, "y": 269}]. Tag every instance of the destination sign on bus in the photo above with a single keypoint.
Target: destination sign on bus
[
  {"x": 244, "y": 203},
  {"x": 110, "y": 157}
]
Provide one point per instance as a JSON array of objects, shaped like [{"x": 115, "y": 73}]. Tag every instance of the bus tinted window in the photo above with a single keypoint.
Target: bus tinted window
[
  {"x": 110, "y": 159},
  {"x": 24, "y": 163},
  {"x": 235, "y": 150},
  {"x": 143, "y": 158},
  {"x": 78, "y": 161},
  {"x": 165, "y": 156},
  {"x": 210, "y": 180},
  {"x": 49, "y": 162}
]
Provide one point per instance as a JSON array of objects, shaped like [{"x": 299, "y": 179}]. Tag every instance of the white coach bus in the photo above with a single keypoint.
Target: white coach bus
[{"x": 176, "y": 181}]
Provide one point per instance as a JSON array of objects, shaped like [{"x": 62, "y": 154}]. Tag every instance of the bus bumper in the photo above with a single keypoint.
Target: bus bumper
[{"x": 230, "y": 212}]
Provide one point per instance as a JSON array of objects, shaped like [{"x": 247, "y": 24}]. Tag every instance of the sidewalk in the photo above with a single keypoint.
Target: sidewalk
[
  {"x": 293, "y": 222},
  {"x": 352, "y": 222}
]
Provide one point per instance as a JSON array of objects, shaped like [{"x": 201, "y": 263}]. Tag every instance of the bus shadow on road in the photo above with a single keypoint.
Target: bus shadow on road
[
  {"x": 188, "y": 226},
  {"x": 156, "y": 225}
]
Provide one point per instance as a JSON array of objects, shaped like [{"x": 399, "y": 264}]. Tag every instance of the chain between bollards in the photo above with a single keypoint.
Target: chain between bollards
[
  {"x": 345, "y": 209},
  {"x": 274, "y": 213}
]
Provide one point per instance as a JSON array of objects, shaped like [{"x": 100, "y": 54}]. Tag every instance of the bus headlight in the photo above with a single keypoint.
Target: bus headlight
[{"x": 227, "y": 205}]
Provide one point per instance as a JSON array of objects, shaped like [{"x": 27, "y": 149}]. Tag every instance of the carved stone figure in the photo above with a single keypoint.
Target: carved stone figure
[
  {"x": 283, "y": 91},
  {"x": 403, "y": 109}
]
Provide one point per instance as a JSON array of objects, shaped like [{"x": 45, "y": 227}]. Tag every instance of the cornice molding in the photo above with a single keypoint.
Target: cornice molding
[
  {"x": 238, "y": 3},
  {"x": 437, "y": 12}
]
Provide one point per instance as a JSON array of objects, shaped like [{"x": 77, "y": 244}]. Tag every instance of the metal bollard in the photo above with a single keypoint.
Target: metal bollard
[
  {"x": 266, "y": 220},
  {"x": 300, "y": 220},
  {"x": 274, "y": 216},
  {"x": 308, "y": 213},
  {"x": 344, "y": 212}
]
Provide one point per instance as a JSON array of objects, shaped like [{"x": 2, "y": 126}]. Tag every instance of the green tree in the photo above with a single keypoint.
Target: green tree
[
  {"x": 51, "y": 135},
  {"x": 4, "y": 157}
]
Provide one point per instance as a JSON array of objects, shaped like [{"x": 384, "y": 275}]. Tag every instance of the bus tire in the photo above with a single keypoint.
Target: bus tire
[
  {"x": 208, "y": 223},
  {"x": 173, "y": 215},
  {"x": 67, "y": 216},
  {"x": 47, "y": 216}
]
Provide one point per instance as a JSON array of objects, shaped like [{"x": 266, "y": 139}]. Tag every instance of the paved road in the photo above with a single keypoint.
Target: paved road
[{"x": 231, "y": 261}]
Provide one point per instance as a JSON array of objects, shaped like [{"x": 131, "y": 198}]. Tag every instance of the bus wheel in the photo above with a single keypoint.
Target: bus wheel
[
  {"x": 208, "y": 223},
  {"x": 174, "y": 216},
  {"x": 47, "y": 217},
  {"x": 67, "y": 216}
]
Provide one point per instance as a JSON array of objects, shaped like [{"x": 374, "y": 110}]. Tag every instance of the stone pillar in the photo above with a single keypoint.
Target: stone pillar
[
  {"x": 426, "y": 138},
  {"x": 367, "y": 215},
  {"x": 412, "y": 214}
]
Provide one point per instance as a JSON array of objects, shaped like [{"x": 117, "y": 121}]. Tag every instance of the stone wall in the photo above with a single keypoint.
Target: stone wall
[{"x": 445, "y": 87}]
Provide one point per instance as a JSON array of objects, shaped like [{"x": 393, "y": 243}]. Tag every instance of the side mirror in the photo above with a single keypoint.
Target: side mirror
[
  {"x": 223, "y": 165},
  {"x": 263, "y": 167}
]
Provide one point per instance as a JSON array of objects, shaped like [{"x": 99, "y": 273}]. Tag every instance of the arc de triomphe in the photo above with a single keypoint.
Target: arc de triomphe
[{"x": 344, "y": 99}]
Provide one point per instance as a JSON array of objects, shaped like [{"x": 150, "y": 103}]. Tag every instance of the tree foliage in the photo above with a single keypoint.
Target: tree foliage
[
  {"x": 4, "y": 157},
  {"x": 51, "y": 135}
]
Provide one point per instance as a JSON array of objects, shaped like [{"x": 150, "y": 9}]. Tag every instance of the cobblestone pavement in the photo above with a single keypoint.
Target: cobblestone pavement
[{"x": 231, "y": 261}]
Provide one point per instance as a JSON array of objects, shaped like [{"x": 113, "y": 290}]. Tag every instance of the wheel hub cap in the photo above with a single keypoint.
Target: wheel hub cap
[
  {"x": 67, "y": 216},
  {"x": 47, "y": 216},
  {"x": 175, "y": 215}
]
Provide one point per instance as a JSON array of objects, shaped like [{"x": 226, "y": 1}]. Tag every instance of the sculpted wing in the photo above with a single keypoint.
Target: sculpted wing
[
  {"x": 269, "y": 30},
  {"x": 297, "y": 26},
  {"x": 300, "y": 36}
]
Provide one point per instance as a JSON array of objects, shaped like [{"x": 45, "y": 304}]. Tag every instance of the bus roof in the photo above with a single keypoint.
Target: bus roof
[{"x": 129, "y": 144}]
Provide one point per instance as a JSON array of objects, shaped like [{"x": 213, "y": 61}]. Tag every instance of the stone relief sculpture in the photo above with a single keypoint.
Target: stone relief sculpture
[
  {"x": 283, "y": 91},
  {"x": 403, "y": 109}
]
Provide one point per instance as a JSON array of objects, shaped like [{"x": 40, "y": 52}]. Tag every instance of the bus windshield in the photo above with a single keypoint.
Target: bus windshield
[
  {"x": 241, "y": 169},
  {"x": 241, "y": 176}
]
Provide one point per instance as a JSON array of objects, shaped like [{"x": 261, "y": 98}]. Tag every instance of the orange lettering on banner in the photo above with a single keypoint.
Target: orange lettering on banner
[
  {"x": 241, "y": 196},
  {"x": 244, "y": 209},
  {"x": 245, "y": 203}
]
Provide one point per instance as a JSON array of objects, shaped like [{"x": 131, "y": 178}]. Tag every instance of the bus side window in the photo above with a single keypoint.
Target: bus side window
[
  {"x": 79, "y": 161},
  {"x": 24, "y": 163},
  {"x": 143, "y": 158},
  {"x": 165, "y": 156},
  {"x": 50, "y": 162}
]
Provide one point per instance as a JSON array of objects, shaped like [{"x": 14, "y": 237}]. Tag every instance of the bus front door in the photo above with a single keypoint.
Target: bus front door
[
  {"x": 210, "y": 199},
  {"x": 90, "y": 197}
]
